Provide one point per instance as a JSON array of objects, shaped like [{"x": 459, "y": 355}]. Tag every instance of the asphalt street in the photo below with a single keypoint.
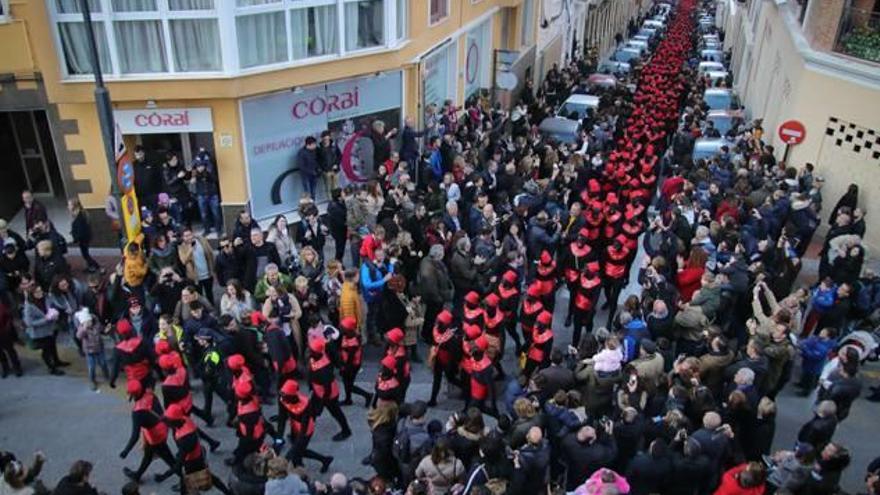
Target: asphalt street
[{"x": 67, "y": 421}]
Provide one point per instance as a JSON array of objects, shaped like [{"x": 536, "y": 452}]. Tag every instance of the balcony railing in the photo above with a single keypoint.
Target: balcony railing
[{"x": 859, "y": 34}]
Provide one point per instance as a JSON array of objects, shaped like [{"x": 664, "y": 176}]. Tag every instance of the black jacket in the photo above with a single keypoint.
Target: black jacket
[
  {"x": 80, "y": 230},
  {"x": 68, "y": 487},
  {"x": 584, "y": 459},
  {"x": 250, "y": 254},
  {"x": 690, "y": 475},
  {"x": 843, "y": 390},
  {"x": 648, "y": 474},
  {"x": 817, "y": 431},
  {"x": 335, "y": 219}
]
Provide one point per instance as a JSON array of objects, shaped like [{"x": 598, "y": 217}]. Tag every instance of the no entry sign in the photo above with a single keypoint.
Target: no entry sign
[{"x": 792, "y": 132}]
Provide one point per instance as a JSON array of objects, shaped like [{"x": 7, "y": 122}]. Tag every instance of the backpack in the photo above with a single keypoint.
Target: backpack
[{"x": 409, "y": 441}]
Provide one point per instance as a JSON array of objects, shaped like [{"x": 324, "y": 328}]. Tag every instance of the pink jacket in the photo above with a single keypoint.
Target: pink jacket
[
  {"x": 607, "y": 360},
  {"x": 594, "y": 484}
]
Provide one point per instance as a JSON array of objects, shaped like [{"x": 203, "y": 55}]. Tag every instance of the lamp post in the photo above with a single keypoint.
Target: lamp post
[{"x": 102, "y": 100}]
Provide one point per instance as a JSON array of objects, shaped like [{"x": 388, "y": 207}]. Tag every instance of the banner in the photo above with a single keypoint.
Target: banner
[
  {"x": 275, "y": 127},
  {"x": 131, "y": 214}
]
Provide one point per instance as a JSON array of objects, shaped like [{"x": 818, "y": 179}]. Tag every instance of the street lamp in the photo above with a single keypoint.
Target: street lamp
[{"x": 102, "y": 99}]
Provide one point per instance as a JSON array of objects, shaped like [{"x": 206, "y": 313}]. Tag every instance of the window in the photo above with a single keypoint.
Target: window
[
  {"x": 439, "y": 11},
  {"x": 4, "y": 10},
  {"x": 145, "y": 37},
  {"x": 527, "y": 34},
  {"x": 364, "y": 24}
]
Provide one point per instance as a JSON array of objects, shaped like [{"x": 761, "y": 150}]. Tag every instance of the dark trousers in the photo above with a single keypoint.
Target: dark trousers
[
  {"x": 299, "y": 450},
  {"x": 432, "y": 309},
  {"x": 246, "y": 446},
  {"x": 332, "y": 406},
  {"x": 451, "y": 377},
  {"x": 8, "y": 356},
  {"x": 84, "y": 252},
  {"x": 348, "y": 377},
  {"x": 339, "y": 239},
  {"x": 373, "y": 310},
  {"x": 210, "y": 386},
  {"x": 583, "y": 320},
  {"x": 151, "y": 452},
  {"x": 48, "y": 351},
  {"x": 612, "y": 293},
  {"x": 207, "y": 286}
]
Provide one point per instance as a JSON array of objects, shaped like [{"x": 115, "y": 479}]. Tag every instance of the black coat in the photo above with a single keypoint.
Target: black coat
[
  {"x": 68, "y": 487},
  {"x": 533, "y": 472},
  {"x": 648, "y": 474},
  {"x": 380, "y": 457},
  {"x": 817, "y": 431},
  {"x": 843, "y": 390},
  {"x": 249, "y": 255},
  {"x": 335, "y": 219},
  {"x": 393, "y": 313},
  {"x": 584, "y": 459},
  {"x": 690, "y": 475},
  {"x": 80, "y": 230}
]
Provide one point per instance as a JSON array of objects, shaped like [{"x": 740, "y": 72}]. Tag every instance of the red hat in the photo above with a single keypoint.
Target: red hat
[
  {"x": 482, "y": 343},
  {"x": 124, "y": 328},
  {"x": 472, "y": 298},
  {"x": 134, "y": 388},
  {"x": 534, "y": 290},
  {"x": 546, "y": 259},
  {"x": 162, "y": 347},
  {"x": 348, "y": 323},
  {"x": 168, "y": 361},
  {"x": 243, "y": 389},
  {"x": 389, "y": 362},
  {"x": 444, "y": 317},
  {"x": 290, "y": 387},
  {"x": 235, "y": 362},
  {"x": 395, "y": 336},
  {"x": 317, "y": 345},
  {"x": 472, "y": 331},
  {"x": 174, "y": 412},
  {"x": 257, "y": 318},
  {"x": 545, "y": 318},
  {"x": 492, "y": 300}
]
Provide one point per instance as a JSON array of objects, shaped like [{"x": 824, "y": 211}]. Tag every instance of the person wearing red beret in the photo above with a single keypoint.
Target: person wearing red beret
[
  {"x": 545, "y": 278},
  {"x": 481, "y": 388},
  {"x": 325, "y": 390},
  {"x": 584, "y": 294},
  {"x": 532, "y": 306},
  {"x": 295, "y": 408},
  {"x": 132, "y": 354},
  {"x": 146, "y": 421},
  {"x": 351, "y": 354},
  {"x": 397, "y": 351},
  {"x": 508, "y": 294},
  {"x": 541, "y": 343},
  {"x": 472, "y": 313},
  {"x": 615, "y": 260},
  {"x": 574, "y": 258},
  {"x": 250, "y": 427},
  {"x": 388, "y": 385},
  {"x": 445, "y": 354},
  {"x": 190, "y": 454}
]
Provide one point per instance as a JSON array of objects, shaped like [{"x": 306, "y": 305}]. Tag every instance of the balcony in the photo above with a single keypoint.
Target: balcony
[{"x": 859, "y": 35}]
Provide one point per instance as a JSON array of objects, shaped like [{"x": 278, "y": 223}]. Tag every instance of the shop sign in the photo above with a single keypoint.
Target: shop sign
[
  {"x": 275, "y": 127},
  {"x": 164, "y": 120}
]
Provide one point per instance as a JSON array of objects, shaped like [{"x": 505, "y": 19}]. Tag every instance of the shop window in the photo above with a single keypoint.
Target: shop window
[
  {"x": 439, "y": 11},
  {"x": 364, "y": 24}
]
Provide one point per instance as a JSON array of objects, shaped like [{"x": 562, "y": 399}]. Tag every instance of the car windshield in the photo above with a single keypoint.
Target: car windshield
[
  {"x": 569, "y": 109},
  {"x": 718, "y": 101}
]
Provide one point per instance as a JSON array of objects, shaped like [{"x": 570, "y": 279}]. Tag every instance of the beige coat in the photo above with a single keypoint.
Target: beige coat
[
  {"x": 650, "y": 369},
  {"x": 185, "y": 253}
]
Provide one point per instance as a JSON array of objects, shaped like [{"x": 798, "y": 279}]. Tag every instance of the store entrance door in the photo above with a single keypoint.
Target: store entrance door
[
  {"x": 185, "y": 144},
  {"x": 26, "y": 143}
]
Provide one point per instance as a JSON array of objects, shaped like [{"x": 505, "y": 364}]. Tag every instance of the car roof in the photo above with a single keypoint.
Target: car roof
[
  {"x": 718, "y": 91},
  {"x": 717, "y": 74},
  {"x": 711, "y": 143},
  {"x": 725, "y": 113},
  {"x": 600, "y": 79},
  {"x": 559, "y": 124},
  {"x": 579, "y": 99}
]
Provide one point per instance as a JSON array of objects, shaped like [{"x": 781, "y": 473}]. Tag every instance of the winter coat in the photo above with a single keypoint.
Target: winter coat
[
  {"x": 649, "y": 369},
  {"x": 730, "y": 484},
  {"x": 351, "y": 304},
  {"x": 779, "y": 358},
  {"x": 435, "y": 285},
  {"x": 462, "y": 271},
  {"x": 818, "y": 431},
  {"x": 90, "y": 336},
  {"x": 36, "y": 323},
  {"x": 814, "y": 353},
  {"x": 186, "y": 253},
  {"x": 648, "y": 474},
  {"x": 443, "y": 476},
  {"x": 583, "y": 459}
]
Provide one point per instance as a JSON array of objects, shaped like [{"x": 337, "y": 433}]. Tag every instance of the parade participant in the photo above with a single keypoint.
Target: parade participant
[
  {"x": 325, "y": 390},
  {"x": 176, "y": 390},
  {"x": 240, "y": 373},
  {"x": 190, "y": 454},
  {"x": 585, "y": 293},
  {"x": 397, "y": 350},
  {"x": 508, "y": 292},
  {"x": 295, "y": 408},
  {"x": 473, "y": 313},
  {"x": 351, "y": 355},
  {"x": 481, "y": 390},
  {"x": 541, "y": 343},
  {"x": 444, "y": 357},
  {"x": 493, "y": 322},
  {"x": 280, "y": 353},
  {"x": 132, "y": 354},
  {"x": 545, "y": 279},
  {"x": 146, "y": 421},
  {"x": 532, "y": 306},
  {"x": 250, "y": 427},
  {"x": 388, "y": 386},
  {"x": 575, "y": 258},
  {"x": 616, "y": 259}
]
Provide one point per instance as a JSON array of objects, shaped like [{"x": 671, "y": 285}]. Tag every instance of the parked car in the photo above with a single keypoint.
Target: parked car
[
  {"x": 721, "y": 99},
  {"x": 560, "y": 129},
  {"x": 577, "y": 106},
  {"x": 626, "y": 54},
  {"x": 724, "y": 120},
  {"x": 708, "y": 147},
  {"x": 642, "y": 46},
  {"x": 711, "y": 55},
  {"x": 705, "y": 67},
  {"x": 613, "y": 67},
  {"x": 602, "y": 80},
  {"x": 716, "y": 77}
]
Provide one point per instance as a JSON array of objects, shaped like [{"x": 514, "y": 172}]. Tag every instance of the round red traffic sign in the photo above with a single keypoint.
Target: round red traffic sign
[{"x": 792, "y": 132}]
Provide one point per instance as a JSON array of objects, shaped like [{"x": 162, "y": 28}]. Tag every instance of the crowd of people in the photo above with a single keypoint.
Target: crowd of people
[{"x": 473, "y": 255}]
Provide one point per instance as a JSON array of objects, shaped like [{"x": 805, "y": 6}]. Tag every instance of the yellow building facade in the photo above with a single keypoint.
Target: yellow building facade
[
  {"x": 798, "y": 61},
  {"x": 246, "y": 80}
]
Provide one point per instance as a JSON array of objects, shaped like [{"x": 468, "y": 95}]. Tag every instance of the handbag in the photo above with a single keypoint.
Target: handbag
[{"x": 198, "y": 481}]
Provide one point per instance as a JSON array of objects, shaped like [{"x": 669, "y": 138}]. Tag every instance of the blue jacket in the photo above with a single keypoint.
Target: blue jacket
[
  {"x": 634, "y": 332},
  {"x": 373, "y": 280},
  {"x": 814, "y": 351}
]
